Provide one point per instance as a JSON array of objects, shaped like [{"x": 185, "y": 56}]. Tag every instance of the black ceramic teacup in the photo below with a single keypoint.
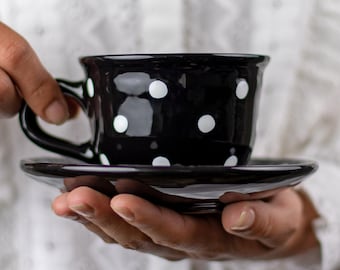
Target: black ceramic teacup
[{"x": 162, "y": 109}]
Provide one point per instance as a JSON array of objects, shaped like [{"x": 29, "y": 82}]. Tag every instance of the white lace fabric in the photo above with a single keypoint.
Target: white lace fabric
[{"x": 297, "y": 115}]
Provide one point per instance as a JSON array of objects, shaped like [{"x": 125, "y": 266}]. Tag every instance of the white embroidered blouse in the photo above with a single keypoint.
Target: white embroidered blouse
[{"x": 298, "y": 114}]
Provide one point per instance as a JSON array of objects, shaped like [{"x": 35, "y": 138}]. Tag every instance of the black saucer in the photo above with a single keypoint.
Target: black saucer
[{"x": 189, "y": 189}]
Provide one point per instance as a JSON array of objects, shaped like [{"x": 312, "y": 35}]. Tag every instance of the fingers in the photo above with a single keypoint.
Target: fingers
[
  {"x": 87, "y": 207},
  {"x": 10, "y": 100},
  {"x": 249, "y": 229},
  {"x": 198, "y": 237},
  {"x": 60, "y": 207},
  {"x": 271, "y": 223},
  {"x": 94, "y": 207},
  {"x": 27, "y": 75}
]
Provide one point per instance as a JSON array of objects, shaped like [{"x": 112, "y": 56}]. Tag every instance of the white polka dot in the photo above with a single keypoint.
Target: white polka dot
[
  {"x": 231, "y": 161},
  {"x": 90, "y": 87},
  {"x": 120, "y": 123},
  {"x": 242, "y": 89},
  {"x": 104, "y": 160},
  {"x": 154, "y": 145},
  {"x": 89, "y": 153},
  {"x": 206, "y": 123},
  {"x": 158, "y": 89},
  {"x": 160, "y": 161}
]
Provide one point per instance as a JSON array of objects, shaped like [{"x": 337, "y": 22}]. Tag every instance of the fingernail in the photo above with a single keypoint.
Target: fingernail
[
  {"x": 71, "y": 217},
  {"x": 77, "y": 218},
  {"x": 83, "y": 210},
  {"x": 57, "y": 112},
  {"x": 125, "y": 214},
  {"x": 245, "y": 220}
]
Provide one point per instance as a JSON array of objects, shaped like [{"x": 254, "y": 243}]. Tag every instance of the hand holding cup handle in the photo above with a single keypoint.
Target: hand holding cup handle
[{"x": 29, "y": 124}]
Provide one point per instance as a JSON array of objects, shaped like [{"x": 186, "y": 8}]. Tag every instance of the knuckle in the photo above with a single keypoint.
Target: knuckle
[
  {"x": 266, "y": 229},
  {"x": 262, "y": 228},
  {"x": 6, "y": 86},
  {"x": 16, "y": 52},
  {"x": 39, "y": 92},
  {"x": 137, "y": 243},
  {"x": 132, "y": 244},
  {"x": 9, "y": 99},
  {"x": 103, "y": 220},
  {"x": 273, "y": 235},
  {"x": 173, "y": 242}
]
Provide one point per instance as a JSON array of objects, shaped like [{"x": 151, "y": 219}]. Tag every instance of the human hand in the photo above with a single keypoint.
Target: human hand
[
  {"x": 259, "y": 229},
  {"x": 22, "y": 76}
]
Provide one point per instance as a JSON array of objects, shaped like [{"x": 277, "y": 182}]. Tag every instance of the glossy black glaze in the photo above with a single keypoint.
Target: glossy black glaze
[
  {"x": 189, "y": 189},
  {"x": 182, "y": 107}
]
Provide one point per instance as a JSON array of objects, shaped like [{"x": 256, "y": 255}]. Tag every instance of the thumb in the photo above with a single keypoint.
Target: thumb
[{"x": 272, "y": 222}]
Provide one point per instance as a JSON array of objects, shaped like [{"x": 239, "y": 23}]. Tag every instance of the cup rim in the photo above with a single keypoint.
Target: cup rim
[{"x": 226, "y": 57}]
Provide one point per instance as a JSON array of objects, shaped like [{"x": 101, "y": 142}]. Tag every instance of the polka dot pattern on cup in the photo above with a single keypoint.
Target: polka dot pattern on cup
[
  {"x": 231, "y": 161},
  {"x": 89, "y": 153},
  {"x": 160, "y": 161},
  {"x": 154, "y": 145},
  {"x": 206, "y": 123},
  {"x": 120, "y": 123},
  {"x": 158, "y": 89},
  {"x": 104, "y": 160},
  {"x": 90, "y": 87},
  {"x": 242, "y": 89}
]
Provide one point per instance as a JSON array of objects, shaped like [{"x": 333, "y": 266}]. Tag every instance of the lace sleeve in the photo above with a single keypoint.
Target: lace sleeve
[
  {"x": 311, "y": 126},
  {"x": 323, "y": 189}
]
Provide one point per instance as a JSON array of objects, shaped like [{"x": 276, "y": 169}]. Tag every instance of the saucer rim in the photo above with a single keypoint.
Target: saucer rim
[
  {"x": 39, "y": 167},
  {"x": 291, "y": 173}
]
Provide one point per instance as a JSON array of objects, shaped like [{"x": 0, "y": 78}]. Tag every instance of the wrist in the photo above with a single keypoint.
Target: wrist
[{"x": 305, "y": 238}]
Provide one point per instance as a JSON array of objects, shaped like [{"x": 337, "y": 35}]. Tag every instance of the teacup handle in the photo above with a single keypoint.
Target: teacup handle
[{"x": 29, "y": 124}]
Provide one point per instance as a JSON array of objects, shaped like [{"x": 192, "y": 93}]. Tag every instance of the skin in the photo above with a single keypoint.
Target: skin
[
  {"x": 252, "y": 227},
  {"x": 22, "y": 76},
  {"x": 276, "y": 227}
]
